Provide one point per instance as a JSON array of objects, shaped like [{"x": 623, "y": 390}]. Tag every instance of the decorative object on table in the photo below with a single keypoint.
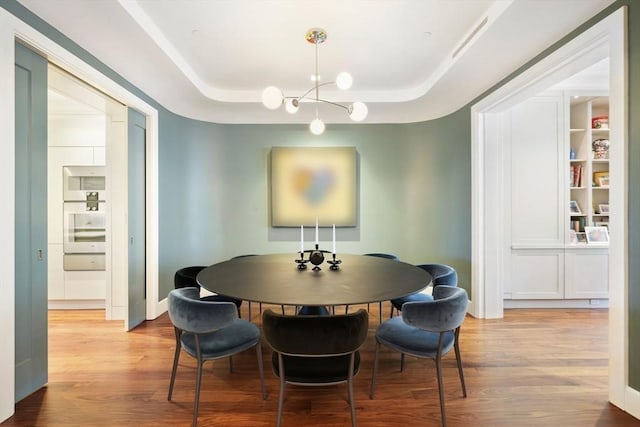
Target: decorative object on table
[
  {"x": 315, "y": 350},
  {"x": 427, "y": 329},
  {"x": 273, "y": 97},
  {"x": 598, "y": 235},
  {"x": 316, "y": 256},
  {"x": 600, "y": 122},
  {"x": 209, "y": 331},
  {"x": 600, "y": 148},
  {"x": 312, "y": 182}
]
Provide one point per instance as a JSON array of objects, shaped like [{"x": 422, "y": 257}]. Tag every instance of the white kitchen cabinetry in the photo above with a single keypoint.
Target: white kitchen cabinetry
[{"x": 545, "y": 264}]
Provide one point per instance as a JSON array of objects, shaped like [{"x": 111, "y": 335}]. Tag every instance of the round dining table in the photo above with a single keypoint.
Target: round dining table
[{"x": 276, "y": 279}]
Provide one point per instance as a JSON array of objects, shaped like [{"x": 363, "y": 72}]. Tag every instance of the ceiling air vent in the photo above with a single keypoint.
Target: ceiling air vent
[{"x": 470, "y": 36}]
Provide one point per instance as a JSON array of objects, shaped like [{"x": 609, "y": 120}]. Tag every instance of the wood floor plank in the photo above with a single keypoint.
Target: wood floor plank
[{"x": 532, "y": 368}]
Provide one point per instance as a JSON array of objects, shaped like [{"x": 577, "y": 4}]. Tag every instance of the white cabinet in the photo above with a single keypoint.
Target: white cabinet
[
  {"x": 586, "y": 273},
  {"x": 546, "y": 261}
]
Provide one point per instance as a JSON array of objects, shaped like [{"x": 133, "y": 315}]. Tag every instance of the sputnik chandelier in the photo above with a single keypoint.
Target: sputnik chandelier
[{"x": 273, "y": 97}]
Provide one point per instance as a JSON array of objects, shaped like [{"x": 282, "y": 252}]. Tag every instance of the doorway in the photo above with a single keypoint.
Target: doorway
[
  {"x": 79, "y": 130},
  {"x": 605, "y": 39}
]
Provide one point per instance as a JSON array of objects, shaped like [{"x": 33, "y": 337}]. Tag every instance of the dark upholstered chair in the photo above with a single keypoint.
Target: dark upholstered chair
[
  {"x": 379, "y": 255},
  {"x": 426, "y": 329},
  {"x": 209, "y": 330},
  {"x": 186, "y": 278},
  {"x": 441, "y": 274},
  {"x": 311, "y": 350}
]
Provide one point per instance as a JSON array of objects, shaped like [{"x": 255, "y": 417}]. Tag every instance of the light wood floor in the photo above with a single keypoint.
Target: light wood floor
[{"x": 532, "y": 368}]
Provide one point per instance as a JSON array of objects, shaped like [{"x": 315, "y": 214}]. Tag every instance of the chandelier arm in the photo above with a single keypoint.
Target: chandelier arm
[
  {"x": 332, "y": 103},
  {"x": 310, "y": 90}
]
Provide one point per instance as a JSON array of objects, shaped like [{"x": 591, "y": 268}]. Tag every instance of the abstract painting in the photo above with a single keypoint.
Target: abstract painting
[{"x": 313, "y": 182}]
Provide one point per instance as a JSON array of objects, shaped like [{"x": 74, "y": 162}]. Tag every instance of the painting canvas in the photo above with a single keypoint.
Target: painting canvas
[{"x": 313, "y": 182}]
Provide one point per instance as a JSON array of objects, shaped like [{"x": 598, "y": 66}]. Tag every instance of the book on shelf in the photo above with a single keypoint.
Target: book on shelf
[{"x": 575, "y": 175}]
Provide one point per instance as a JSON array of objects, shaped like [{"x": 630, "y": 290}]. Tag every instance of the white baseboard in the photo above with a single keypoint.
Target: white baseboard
[
  {"x": 632, "y": 402},
  {"x": 552, "y": 303}
]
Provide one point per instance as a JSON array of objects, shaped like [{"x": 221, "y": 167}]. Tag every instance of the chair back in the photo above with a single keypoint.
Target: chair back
[
  {"x": 441, "y": 274},
  {"x": 383, "y": 255},
  {"x": 190, "y": 314},
  {"x": 315, "y": 336},
  {"x": 445, "y": 313},
  {"x": 186, "y": 277}
]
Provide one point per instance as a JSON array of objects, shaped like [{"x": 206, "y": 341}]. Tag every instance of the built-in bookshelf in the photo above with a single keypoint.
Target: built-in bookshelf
[{"x": 588, "y": 167}]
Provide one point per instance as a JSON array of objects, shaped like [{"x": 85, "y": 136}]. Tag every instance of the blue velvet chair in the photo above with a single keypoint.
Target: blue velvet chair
[
  {"x": 312, "y": 350},
  {"x": 441, "y": 274},
  {"x": 426, "y": 329},
  {"x": 186, "y": 278},
  {"x": 379, "y": 255},
  {"x": 208, "y": 330}
]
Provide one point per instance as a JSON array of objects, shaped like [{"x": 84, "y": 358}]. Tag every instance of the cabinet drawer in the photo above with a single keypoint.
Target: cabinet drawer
[{"x": 84, "y": 262}]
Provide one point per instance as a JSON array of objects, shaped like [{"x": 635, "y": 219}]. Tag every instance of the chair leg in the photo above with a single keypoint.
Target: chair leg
[
  {"x": 441, "y": 390},
  {"x": 391, "y": 312},
  {"x": 402, "y": 357},
  {"x": 249, "y": 311},
  {"x": 283, "y": 384},
  {"x": 176, "y": 356},
  {"x": 230, "y": 363},
  {"x": 261, "y": 370},
  {"x": 380, "y": 320},
  {"x": 372, "y": 390},
  {"x": 456, "y": 347},
  {"x": 197, "y": 396},
  {"x": 352, "y": 402},
  {"x": 438, "y": 360}
]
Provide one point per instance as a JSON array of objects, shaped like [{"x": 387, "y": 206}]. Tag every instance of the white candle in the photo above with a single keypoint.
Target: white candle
[
  {"x": 316, "y": 230},
  {"x": 301, "y": 238},
  {"x": 334, "y": 239}
]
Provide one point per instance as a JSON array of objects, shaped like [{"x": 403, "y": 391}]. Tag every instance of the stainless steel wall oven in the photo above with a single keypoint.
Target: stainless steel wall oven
[{"x": 84, "y": 230}]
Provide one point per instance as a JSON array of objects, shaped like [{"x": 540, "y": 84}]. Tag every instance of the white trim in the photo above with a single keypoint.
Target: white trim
[
  {"x": 7, "y": 217},
  {"x": 633, "y": 402},
  {"x": 10, "y": 29},
  {"x": 608, "y": 35}
]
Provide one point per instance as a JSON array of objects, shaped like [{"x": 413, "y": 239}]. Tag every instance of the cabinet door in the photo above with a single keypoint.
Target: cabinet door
[
  {"x": 537, "y": 274},
  {"x": 587, "y": 273},
  {"x": 537, "y": 177}
]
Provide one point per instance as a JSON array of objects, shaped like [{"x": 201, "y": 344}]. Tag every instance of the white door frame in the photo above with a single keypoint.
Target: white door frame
[
  {"x": 607, "y": 37},
  {"x": 12, "y": 29}
]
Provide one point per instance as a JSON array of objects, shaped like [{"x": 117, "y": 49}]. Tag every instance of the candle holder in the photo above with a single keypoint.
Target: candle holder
[
  {"x": 316, "y": 258},
  {"x": 302, "y": 263},
  {"x": 334, "y": 262}
]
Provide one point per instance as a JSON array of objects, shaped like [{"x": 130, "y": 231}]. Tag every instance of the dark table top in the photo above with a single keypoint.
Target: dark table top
[{"x": 275, "y": 279}]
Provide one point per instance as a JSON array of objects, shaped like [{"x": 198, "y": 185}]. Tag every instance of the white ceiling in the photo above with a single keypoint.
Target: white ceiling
[{"x": 411, "y": 60}]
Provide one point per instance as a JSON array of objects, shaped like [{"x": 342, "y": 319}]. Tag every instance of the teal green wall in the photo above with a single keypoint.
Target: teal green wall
[
  {"x": 229, "y": 162},
  {"x": 414, "y": 195},
  {"x": 634, "y": 192}
]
